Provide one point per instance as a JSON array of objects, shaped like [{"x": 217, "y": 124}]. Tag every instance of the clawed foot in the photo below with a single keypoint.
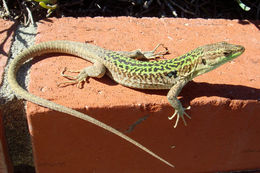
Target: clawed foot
[
  {"x": 153, "y": 55},
  {"x": 79, "y": 79},
  {"x": 180, "y": 113}
]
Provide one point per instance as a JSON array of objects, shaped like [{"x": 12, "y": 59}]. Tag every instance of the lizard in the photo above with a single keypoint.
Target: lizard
[{"x": 126, "y": 69}]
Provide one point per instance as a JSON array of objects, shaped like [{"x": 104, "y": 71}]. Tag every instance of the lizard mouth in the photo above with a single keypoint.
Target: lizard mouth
[
  {"x": 237, "y": 52},
  {"x": 241, "y": 49}
]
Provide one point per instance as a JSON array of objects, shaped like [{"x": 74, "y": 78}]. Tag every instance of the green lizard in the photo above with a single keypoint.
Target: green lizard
[{"x": 125, "y": 69}]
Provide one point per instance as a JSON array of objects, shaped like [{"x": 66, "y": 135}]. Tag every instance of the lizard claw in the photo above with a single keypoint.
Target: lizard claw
[
  {"x": 153, "y": 55},
  {"x": 180, "y": 113},
  {"x": 79, "y": 79}
]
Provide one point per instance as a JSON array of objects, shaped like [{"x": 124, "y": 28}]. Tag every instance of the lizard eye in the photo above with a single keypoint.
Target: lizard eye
[
  {"x": 227, "y": 53},
  {"x": 203, "y": 61}
]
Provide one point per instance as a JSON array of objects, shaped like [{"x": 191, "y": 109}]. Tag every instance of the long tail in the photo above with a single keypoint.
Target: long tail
[{"x": 59, "y": 47}]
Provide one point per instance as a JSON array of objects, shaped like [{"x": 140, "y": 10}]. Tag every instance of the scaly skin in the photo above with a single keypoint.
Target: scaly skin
[{"x": 125, "y": 69}]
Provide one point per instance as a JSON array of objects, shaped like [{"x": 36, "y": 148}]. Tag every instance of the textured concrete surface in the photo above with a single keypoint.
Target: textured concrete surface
[
  {"x": 15, "y": 122},
  {"x": 222, "y": 135},
  {"x": 6, "y": 32}
]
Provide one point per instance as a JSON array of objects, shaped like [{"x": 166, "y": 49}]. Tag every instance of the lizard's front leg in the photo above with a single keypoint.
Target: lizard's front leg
[
  {"x": 97, "y": 70},
  {"x": 176, "y": 104}
]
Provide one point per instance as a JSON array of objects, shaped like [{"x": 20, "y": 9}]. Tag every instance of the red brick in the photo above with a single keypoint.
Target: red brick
[
  {"x": 7, "y": 28},
  {"x": 222, "y": 135}
]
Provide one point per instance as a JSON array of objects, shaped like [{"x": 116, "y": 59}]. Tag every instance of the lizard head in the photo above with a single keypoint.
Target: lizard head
[{"x": 214, "y": 55}]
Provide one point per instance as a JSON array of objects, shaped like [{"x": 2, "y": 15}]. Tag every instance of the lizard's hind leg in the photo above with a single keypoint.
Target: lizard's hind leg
[
  {"x": 145, "y": 55},
  {"x": 97, "y": 70}
]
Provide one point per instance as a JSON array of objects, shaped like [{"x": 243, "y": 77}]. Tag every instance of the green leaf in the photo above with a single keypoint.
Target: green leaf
[
  {"x": 47, "y": 1},
  {"x": 243, "y": 6},
  {"x": 46, "y": 6}
]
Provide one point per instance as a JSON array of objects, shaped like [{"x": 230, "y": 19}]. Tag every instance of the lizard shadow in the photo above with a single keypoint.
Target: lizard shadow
[{"x": 198, "y": 89}]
